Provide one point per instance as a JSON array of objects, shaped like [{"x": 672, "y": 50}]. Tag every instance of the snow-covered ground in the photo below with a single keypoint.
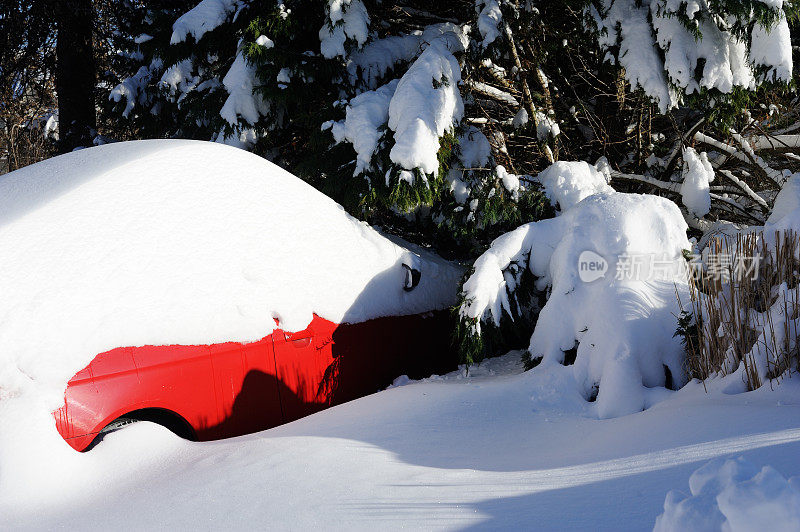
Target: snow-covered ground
[{"x": 497, "y": 449}]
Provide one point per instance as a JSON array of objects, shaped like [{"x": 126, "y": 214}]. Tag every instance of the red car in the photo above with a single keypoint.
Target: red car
[
  {"x": 206, "y": 392},
  {"x": 198, "y": 243}
]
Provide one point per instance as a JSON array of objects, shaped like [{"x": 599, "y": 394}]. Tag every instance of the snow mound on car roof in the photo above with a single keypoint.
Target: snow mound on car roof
[{"x": 181, "y": 242}]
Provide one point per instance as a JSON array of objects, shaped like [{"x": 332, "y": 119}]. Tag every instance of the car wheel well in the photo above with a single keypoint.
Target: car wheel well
[{"x": 166, "y": 418}]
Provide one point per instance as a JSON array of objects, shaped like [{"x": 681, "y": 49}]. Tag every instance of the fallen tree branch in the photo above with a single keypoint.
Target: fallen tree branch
[
  {"x": 663, "y": 185},
  {"x": 746, "y": 189},
  {"x": 492, "y": 92}
]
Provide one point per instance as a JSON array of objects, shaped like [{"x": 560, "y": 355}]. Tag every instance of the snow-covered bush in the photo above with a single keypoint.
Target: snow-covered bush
[
  {"x": 610, "y": 265},
  {"x": 733, "y": 495}
]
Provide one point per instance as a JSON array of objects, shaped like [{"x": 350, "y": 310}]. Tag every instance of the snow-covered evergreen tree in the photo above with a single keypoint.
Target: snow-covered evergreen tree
[
  {"x": 431, "y": 118},
  {"x": 368, "y": 109},
  {"x": 698, "y": 51}
]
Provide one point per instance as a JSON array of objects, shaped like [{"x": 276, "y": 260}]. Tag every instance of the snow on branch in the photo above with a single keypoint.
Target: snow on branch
[
  {"x": 664, "y": 45},
  {"x": 204, "y": 17},
  {"x": 425, "y": 105}
]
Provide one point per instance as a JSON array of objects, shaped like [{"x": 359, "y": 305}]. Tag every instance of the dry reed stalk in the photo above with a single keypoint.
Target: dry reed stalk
[{"x": 746, "y": 309}]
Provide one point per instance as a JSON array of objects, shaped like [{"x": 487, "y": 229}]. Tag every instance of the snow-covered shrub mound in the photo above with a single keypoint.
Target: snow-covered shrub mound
[
  {"x": 568, "y": 182},
  {"x": 180, "y": 242},
  {"x": 612, "y": 264},
  {"x": 733, "y": 495}
]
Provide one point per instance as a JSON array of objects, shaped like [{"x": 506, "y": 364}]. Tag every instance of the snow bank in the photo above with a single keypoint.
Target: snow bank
[
  {"x": 613, "y": 263},
  {"x": 534, "y": 456},
  {"x": 177, "y": 242},
  {"x": 733, "y": 495}
]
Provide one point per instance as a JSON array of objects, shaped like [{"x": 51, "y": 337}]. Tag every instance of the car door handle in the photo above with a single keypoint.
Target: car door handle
[{"x": 300, "y": 339}]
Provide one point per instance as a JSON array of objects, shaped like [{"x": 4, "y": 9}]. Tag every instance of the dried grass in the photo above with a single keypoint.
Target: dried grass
[{"x": 744, "y": 311}]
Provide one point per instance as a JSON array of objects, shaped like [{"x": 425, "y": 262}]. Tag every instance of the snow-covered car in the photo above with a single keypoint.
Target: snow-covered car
[{"x": 202, "y": 287}]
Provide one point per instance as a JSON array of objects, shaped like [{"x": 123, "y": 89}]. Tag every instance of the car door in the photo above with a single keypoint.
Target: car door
[
  {"x": 246, "y": 387},
  {"x": 306, "y": 368}
]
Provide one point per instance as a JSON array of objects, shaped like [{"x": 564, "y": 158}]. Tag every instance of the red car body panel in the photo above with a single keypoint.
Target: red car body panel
[{"x": 230, "y": 389}]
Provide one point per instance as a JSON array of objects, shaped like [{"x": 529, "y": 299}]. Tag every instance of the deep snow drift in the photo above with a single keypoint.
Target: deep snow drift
[
  {"x": 499, "y": 449},
  {"x": 733, "y": 495},
  {"x": 173, "y": 242}
]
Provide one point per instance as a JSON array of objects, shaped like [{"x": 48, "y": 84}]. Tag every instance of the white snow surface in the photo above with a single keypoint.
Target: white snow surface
[
  {"x": 621, "y": 316},
  {"x": 498, "y": 449},
  {"x": 697, "y": 176},
  {"x": 204, "y": 17},
  {"x": 733, "y": 495},
  {"x": 174, "y": 242}
]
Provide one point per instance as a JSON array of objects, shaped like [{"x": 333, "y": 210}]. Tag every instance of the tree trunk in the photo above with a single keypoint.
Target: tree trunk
[{"x": 75, "y": 74}]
